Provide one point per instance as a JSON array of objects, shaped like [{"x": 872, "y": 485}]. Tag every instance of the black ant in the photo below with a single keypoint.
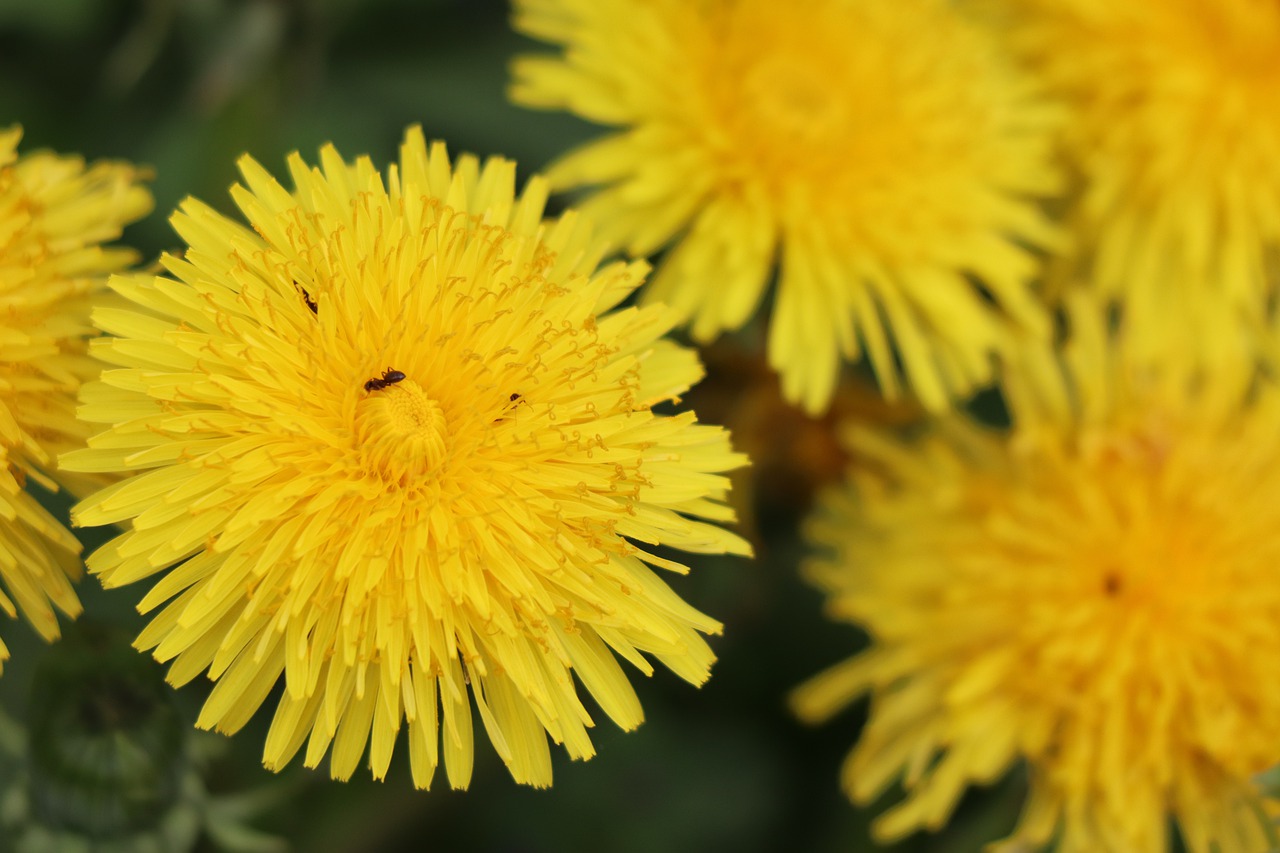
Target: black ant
[{"x": 389, "y": 377}]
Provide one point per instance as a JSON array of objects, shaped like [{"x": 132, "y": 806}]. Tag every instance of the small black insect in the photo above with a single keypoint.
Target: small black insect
[
  {"x": 389, "y": 377},
  {"x": 515, "y": 400},
  {"x": 311, "y": 303}
]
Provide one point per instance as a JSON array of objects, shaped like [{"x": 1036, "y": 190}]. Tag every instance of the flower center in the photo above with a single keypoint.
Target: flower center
[
  {"x": 402, "y": 433},
  {"x": 783, "y": 95},
  {"x": 846, "y": 110},
  {"x": 1251, "y": 30},
  {"x": 791, "y": 102}
]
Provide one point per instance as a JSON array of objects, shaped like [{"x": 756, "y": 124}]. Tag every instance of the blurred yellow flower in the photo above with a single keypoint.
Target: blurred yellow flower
[
  {"x": 396, "y": 443},
  {"x": 54, "y": 213},
  {"x": 1096, "y": 592},
  {"x": 1175, "y": 131},
  {"x": 883, "y": 156}
]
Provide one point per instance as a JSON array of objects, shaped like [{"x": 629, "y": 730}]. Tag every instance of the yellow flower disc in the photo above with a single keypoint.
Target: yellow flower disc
[
  {"x": 55, "y": 211},
  {"x": 395, "y": 444},
  {"x": 1096, "y": 593},
  {"x": 882, "y": 156},
  {"x": 1175, "y": 130}
]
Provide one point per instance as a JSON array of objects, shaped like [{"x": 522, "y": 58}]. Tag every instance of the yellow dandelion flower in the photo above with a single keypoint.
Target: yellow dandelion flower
[
  {"x": 1175, "y": 130},
  {"x": 1096, "y": 593},
  {"x": 54, "y": 213},
  {"x": 883, "y": 156},
  {"x": 396, "y": 443}
]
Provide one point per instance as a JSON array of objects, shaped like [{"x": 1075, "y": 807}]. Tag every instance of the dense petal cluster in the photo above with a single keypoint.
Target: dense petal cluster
[
  {"x": 395, "y": 443},
  {"x": 1096, "y": 592},
  {"x": 55, "y": 211},
  {"x": 883, "y": 157},
  {"x": 1175, "y": 131}
]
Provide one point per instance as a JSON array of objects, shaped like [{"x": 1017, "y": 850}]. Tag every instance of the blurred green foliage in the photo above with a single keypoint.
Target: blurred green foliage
[{"x": 186, "y": 86}]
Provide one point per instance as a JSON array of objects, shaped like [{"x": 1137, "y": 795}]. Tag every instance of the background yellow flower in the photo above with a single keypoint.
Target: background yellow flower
[
  {"x": 1095, "y": 592},
  {"x": 881, "y": 156},
  {"x": 399, "y": 448},
  {"x": 55, "y": 211},
  {"x": 1174, "y": 132}
]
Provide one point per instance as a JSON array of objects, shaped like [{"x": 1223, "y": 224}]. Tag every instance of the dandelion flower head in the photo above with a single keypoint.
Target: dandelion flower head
[
  {"x": 395, "y": 444},
  {"x": 881, "y": 156},
  {"x": 55, "y": 212},
  {"x": 1175, "y": 130},
  {"x": 1094, "y": 592}
]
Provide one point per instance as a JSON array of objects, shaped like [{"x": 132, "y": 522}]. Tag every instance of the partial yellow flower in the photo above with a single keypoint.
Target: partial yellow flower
[
  {"x": 55, "y": 211},
  {"x": 1175, "y": 131},
  {"x": 396, "y": 445},
  {"x": 1096, "y": 592},
  {"x": 884, "y": 157}
]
